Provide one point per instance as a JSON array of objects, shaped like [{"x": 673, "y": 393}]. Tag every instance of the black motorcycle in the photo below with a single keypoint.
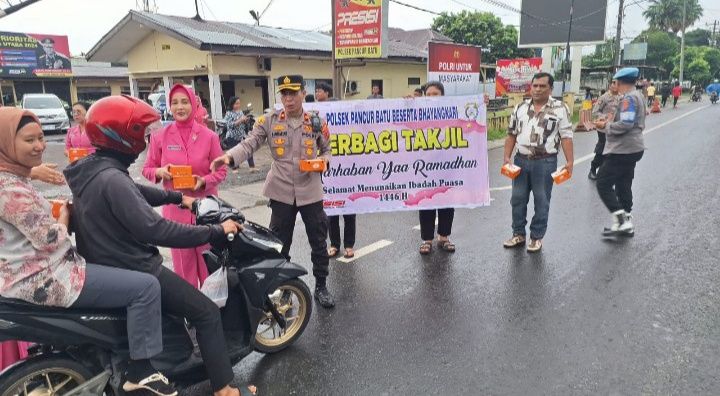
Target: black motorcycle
[
  {"x": 714, "y": 97},
  {"x": 84, "y": 352},
  {"x": 228, "y": 142},
  {"x": 696, "y": 96}
]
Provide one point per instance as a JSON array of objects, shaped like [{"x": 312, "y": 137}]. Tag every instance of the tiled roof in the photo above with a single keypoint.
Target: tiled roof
[{"x": 406, "y": 44}]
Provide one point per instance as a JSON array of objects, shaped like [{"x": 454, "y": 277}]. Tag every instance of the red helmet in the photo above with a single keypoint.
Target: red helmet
[{"x": 120, "y": 123}]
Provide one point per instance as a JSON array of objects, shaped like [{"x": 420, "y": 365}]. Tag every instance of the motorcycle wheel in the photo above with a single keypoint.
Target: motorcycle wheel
[
  {"x": 293, "y": 301},
  {"x": 51, "y": 376}
]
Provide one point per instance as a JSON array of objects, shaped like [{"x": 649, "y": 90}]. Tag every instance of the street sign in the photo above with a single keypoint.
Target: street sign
[
  {"x": 545, "y": 23},
  {"x": 361, "y": 28},
  {"x": 27, "y": 55},
  {"x": 635, "y": 51},
  {"x": 456, "y": 66}
]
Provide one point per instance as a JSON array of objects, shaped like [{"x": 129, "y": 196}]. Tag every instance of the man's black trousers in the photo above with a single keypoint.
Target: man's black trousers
[
  {"x": 614, "y": 181},
  {"x": 282, "y": 223}
]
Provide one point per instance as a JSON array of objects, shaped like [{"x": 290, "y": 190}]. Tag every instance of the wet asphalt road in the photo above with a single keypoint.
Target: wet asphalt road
[{"x": 585, "y": 316}]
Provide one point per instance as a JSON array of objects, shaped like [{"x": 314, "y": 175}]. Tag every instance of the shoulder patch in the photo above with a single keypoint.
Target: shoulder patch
[{"x": 628, "y": 110}]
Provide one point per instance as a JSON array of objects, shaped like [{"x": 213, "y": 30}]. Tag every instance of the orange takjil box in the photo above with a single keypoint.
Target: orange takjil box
[
  {"x": 75, "y": 154},
  {"x": 182, "y": 177},
  {"x": 561, "y": 176},
  {"x": 510, "y": 170},
  {"x": 313, "y": 165},
  {"x": 56, "y": 205}
]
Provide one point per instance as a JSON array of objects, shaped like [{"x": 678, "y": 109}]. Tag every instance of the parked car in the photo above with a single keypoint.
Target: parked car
[{"x": 49, "y": 109}]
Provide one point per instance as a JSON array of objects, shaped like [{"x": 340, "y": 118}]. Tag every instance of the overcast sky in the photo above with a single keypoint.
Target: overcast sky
[{"x": 85, "y": 22}]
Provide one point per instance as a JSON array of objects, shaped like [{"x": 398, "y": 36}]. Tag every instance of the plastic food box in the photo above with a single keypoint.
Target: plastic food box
[
  {"x": 510, "y": 170},
  {"x": 182, "y": 177},
  {"x": 313, "y": 165},
  {"x": 561, "y": 176}
]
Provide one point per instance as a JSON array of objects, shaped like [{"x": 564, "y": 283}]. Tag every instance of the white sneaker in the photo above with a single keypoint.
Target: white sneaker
[{"x": 622, "y": 225}]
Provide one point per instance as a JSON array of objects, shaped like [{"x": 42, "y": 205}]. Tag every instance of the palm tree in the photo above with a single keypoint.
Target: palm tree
[{"x": 667, "y": 14}]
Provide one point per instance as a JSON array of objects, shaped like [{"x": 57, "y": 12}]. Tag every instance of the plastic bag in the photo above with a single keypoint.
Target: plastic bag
[{"x": 216, "y": 287}]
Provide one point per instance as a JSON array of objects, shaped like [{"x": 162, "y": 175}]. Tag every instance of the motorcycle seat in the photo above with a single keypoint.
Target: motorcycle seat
[{"x": 13, "y": 304}]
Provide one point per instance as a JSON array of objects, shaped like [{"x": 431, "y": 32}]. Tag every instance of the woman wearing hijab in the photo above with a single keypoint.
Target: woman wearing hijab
[
  {"x": 201, "y": 113},
  {"x": 185, "y": 142},
  {"x": 39, "y": 264}
]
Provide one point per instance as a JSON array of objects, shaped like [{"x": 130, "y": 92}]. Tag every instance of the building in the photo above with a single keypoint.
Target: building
[
  {"x": 225, "y": 59},
  {"x": 89, "y": 82}
]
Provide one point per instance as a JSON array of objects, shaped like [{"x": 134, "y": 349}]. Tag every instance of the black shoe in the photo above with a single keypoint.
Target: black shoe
[
  {"x": 156, "y": 384},
  {"x": 592, "y": 175},
  {"x": 324, "y": 298}
]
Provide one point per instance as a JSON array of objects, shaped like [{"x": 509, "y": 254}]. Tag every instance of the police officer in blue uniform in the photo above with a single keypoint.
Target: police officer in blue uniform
[{"x": 624, "y": 147}]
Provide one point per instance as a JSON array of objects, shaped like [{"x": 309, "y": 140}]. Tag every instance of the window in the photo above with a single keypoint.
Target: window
[
  {"x": 378, "y": 83},
  {"x": 413, "y": 81}
]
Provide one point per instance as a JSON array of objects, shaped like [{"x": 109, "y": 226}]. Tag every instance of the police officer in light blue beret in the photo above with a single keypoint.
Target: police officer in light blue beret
[{"x": 623, "y": 149}]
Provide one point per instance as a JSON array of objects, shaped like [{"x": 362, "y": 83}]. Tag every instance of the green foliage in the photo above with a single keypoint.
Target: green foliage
[
  {"x": 482, "y": 29},
  {"x": 603, "y": 55},
  {"x": 702, "y": 64},
  {"x": 667, "y": 15},
  {"x": 697, "y": 38}
]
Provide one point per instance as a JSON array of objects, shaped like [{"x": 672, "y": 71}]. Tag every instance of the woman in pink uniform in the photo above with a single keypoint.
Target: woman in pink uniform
[
  {"x": 76, "y": 136},
  {"x": 185, "y": 142}
]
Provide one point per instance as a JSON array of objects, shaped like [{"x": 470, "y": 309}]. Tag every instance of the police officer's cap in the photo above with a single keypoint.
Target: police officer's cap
[
  {"x": 47, "y": 40},
  {"x": 627, "y": 74},
  {"x": 293, "y": 82}
]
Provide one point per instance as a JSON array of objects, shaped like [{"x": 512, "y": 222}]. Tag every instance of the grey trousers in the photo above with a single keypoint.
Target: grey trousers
[{"x": 108, "y": 287}]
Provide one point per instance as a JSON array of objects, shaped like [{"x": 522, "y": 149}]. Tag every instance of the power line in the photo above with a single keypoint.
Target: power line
[{"x": 415, "y": 7}]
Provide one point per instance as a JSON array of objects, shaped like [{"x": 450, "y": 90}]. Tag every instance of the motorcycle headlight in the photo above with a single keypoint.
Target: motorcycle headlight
[{"x": 270, "y": 244}]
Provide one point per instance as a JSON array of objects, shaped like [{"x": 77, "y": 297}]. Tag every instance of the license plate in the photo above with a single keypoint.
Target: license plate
[{"x": 49, "y": 127}]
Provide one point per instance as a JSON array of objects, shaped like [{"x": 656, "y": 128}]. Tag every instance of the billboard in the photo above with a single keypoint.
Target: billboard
[
  {"x": 456, "y": 66},
  {"x": 34, "y": 55},
  {"x": 361, "y": 28},
  {"x": 545, "y": 23},
  {"x": 636, "y": 51},
  {"x": 515, "y": 75}
]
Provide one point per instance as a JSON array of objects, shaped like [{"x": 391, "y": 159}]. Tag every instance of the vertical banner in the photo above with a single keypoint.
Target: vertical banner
[
  {"x": 34, "y": 55},
  {"x": 514, "y": 76},
  {"x": 405, "y": 154},
  {"x": 456, "y": 66},
  {"x": 361, "y": 28}
]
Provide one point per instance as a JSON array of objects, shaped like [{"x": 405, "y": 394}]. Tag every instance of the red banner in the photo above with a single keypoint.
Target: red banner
[
  {"x": 515, "y": 75},
  {"x": 453, "y": 58},
  {"x": 40, "y": 55},
  {"x": 360, "y": 28}
]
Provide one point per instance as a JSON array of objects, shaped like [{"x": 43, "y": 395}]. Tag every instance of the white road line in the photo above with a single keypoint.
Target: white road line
[
  {"x": 365, "y": 250},
  {"x": 590, "y": 156}
]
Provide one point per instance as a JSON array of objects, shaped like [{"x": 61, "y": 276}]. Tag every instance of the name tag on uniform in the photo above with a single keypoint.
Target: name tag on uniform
[{"x": 174, "y": 148}]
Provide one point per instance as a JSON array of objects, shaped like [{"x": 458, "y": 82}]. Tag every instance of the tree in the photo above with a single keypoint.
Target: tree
[
  {"x": 603, "y": 55},
  {"x": 668, "y": 14},
  {"x": 482, "y": 29},
  {"x": 702, "y": 64},
  {"x": 698, "y": 38}
]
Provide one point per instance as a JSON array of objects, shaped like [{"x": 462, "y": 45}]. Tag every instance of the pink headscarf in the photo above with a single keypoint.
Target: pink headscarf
[
  {"x": 9, "y": 120},
  {"x": 193, "y": 104}
]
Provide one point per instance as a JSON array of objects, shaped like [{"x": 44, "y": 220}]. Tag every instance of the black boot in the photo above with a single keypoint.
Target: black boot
[{"x": 323, "y": 296}]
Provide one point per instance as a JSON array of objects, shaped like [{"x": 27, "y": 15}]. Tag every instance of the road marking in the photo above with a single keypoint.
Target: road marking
[
  {"x": 590, "y": 156},
  {"x": 365, "y": 250}
]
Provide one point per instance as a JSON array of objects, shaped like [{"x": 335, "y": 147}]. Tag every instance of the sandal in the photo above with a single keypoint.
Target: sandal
[
  {"x": 426, "y": 247},
  {"x": 249, "y": 390},
  {"x": 333, "y": 251},
  {"x": 349, "y": 253},
  {"x": 446, "y": 246}
]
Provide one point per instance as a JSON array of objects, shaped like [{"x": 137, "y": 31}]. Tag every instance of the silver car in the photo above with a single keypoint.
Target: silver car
[{"x": 49, "y": 109}]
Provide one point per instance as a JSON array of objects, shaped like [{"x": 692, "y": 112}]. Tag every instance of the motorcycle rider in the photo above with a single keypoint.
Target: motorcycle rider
[
  {"x": 713, "y": 89},
  {"x": 39, "y": 264},
  {"x": 117, "y": 226}
]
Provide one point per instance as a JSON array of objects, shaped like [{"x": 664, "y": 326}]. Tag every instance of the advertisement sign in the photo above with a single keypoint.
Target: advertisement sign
[
  {"x": 545, "y": 23},
  {"x": 405, "y": 154},
  {"x": 34, "y": 55},
  {"x": 361, "y": 28},
  {"x": 456, "y": 66},
  {"x": 635, "y": 51},
  {"x": 515, "y": 75}
]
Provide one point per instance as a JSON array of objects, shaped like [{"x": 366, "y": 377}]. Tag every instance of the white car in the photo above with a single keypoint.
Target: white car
[{"x": 49, "y": 109}]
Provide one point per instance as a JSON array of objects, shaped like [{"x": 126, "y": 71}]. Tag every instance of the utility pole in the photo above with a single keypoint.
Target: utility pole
[
  {"x": 713, "y": 39},
  {"x": 567, "y": 47},
  {"x": 682, "y": 44},
  {"x": 618, "y": 34}
]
